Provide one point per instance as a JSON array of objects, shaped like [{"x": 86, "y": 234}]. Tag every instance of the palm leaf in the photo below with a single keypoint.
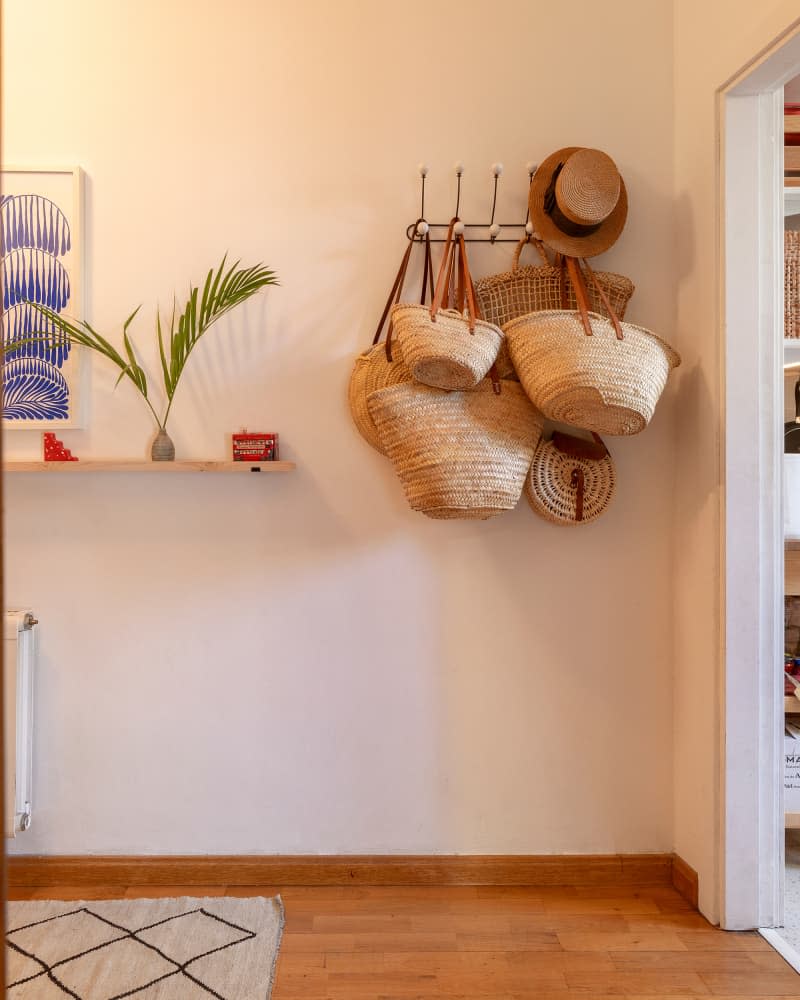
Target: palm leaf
[{"x": 223, "y": 290}]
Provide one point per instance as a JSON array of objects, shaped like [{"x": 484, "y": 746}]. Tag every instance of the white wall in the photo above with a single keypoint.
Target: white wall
[
  {"x": 299, "y": 663},
  {"x": 739, "y": 30}
]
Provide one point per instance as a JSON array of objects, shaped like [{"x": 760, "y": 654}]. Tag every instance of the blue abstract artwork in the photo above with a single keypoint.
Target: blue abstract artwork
[{"x": 38, "y": 263}]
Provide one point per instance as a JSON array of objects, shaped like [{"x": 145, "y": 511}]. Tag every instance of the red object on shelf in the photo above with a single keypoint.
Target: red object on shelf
[
  {"x": 54, "y": 450},
  {"x": 255, "y": 447}
]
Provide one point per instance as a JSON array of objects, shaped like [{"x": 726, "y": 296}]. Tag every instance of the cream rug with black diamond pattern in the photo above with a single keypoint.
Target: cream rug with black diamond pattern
[{"x": 150, "y": 949}]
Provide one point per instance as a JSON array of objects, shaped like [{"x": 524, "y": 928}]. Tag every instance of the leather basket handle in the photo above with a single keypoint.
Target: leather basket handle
[
  {"x": 575, "y": 447},
  {"x": 445, "y": 270},
  {"x": 605, "y": 300},
  {"x": 396, "y": 290},
  {"x": 581, "y": 294},
  {"x": 578, "y": 480}
]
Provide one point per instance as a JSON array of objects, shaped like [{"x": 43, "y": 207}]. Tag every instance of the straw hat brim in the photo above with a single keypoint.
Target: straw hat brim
[{"x": 575, "y": 246}]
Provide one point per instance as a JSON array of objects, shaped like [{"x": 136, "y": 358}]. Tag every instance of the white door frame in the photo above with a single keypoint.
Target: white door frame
[{"x": 751, "y": 312}]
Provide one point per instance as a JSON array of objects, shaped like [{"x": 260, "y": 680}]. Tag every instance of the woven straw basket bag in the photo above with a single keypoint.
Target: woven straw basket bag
[
  {"x": 571, "y": 480},
  {"x": 523, "y": 290},
  {"x": 791, "y": 283},
  {"x": 458, "y": 455},
  {"x": 382, "y": 364},
  {"x": 443, "y": 347},
  {"x": 583, "y": 369}
]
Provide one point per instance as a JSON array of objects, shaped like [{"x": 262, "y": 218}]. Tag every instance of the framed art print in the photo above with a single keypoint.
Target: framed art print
[{"x": 41, "y": 261}]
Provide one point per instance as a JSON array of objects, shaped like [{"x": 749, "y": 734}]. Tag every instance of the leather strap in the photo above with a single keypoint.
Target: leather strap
[
  {"x": 445, "y": 269},
  {"x": 606, "y": 302},
  {"x": 469, "y": 287},
  {"x": 396, "y": 291},
  {"x": 561, "y": 264},
  {"x": 576, "y": 447},
  {"x": 579, "y": 483},
  {"x": 581, "y": 294}
]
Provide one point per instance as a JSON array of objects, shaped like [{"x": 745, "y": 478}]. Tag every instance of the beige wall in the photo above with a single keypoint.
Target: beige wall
[
  {"x": 301, "y": 664},
  {"x": 712, "y": 41}
]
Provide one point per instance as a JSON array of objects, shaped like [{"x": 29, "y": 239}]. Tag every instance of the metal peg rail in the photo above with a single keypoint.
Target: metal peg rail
[{"x": 417, "y": 230}]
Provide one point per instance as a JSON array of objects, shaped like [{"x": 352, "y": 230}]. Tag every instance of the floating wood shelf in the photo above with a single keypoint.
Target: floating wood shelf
[{"x": 162, "y": 467}]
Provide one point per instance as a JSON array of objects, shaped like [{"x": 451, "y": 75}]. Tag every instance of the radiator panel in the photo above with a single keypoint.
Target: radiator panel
[{"x": 19, "y": 660}]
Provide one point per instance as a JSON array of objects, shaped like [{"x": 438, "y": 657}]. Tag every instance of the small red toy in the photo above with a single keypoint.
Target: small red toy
[
  {"x": 54, "y": 450},
  {"x": 255, "y": 447}
]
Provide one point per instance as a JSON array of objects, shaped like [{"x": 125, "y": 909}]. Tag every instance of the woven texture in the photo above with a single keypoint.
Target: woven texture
[
  {"x": 550, "y": 490},
  {"x": 371, "y": 372},
  {"x": 599, "y": 383},
  {"x": 522, "y": 290},
  {"x": 444, "y": 354},
  {"x": 158, "y": 949},
  {"x": 458, "y": 455},
  {"x": 791, "y": 284}
]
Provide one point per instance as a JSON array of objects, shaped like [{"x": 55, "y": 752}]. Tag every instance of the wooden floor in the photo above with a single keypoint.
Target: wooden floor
[{"x": 346, "y": 943}]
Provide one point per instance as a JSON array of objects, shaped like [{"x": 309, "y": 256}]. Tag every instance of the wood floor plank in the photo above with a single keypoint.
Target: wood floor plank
[
  {"x": 656, "y": 941},
  {"x": 496, "y": 943}
]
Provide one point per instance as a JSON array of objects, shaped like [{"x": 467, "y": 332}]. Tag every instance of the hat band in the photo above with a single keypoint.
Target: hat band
[{"x": 567, "y": 226}]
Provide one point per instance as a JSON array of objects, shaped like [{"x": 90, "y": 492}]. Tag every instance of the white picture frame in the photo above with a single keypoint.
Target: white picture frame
[{"x": 41, "y": 260}]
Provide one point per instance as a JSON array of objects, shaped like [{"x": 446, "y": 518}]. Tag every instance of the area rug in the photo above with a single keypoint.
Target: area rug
[{"x": 151, "y": 949}]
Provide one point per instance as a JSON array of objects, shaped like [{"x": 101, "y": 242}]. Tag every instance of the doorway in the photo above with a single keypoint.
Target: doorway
[{"x": 751, "y": 120}]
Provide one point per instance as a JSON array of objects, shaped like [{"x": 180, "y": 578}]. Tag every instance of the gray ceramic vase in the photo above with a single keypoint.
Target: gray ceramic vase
[{"x": 163, "y": 449}]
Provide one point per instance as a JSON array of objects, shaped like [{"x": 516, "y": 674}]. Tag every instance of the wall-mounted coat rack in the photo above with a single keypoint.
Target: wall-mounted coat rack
[{"x": 493, "y": 229}]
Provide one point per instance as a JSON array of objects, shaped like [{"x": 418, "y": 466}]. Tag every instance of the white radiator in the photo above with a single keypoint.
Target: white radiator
[{"x": 19, "y": 660}]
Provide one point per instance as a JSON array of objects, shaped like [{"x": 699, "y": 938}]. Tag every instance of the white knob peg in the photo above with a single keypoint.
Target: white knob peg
[
  {"x": 494, "y": 230},
  {"x": 458, "y": 228},
  {"x": 497, "y": 169},
  {"x": 422, "y": 228},
  {"x": 459, "y": 168},
  {"x": 530, "y": 166},
  {"x": 423, "y": 169},
  {"x": 529, "y": 228}
]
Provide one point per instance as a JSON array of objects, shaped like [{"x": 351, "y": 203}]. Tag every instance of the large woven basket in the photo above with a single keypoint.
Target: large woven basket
[
  {"x": 522, "y": 290},
  {"x": 443, "y": 347},
  {"x": 791, "y": 283},
  {"x": 569, "y": 489},
  {"x": 458, "y": 455},
  {"x": 372, "y": 371},
  {"x": 608, "y": 382}
]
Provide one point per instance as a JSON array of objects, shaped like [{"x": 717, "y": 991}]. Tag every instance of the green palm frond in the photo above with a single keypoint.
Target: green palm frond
[{"x": 223, "y": 290}]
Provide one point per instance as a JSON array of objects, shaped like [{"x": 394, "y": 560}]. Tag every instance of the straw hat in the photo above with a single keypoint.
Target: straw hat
[{"x": 578, "y": 201}]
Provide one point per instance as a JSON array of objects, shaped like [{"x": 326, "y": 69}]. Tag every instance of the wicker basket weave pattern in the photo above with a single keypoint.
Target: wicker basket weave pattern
[
  {"x": 444, "y": 347},
  {"x": 550, "y": 487},
  {"x": 522, "y": 290},
  {"x": 458, "y": 455},
  {"x": 372, "y": 371},
  {"x": 791, "y": 284},
  {"x": 600, "y": 383},
  {"x": 444, "y": 354}
]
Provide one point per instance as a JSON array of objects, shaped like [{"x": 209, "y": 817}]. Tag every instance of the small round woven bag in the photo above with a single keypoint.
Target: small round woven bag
[
  {"x": 571, "y": 480},
  {"x": 382, "y": 364}
]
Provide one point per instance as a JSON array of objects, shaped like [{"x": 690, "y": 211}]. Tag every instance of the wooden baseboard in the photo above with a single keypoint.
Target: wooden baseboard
[
  {"x": 685, "y": 880},
  {"x": 522, "y": 870}
]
